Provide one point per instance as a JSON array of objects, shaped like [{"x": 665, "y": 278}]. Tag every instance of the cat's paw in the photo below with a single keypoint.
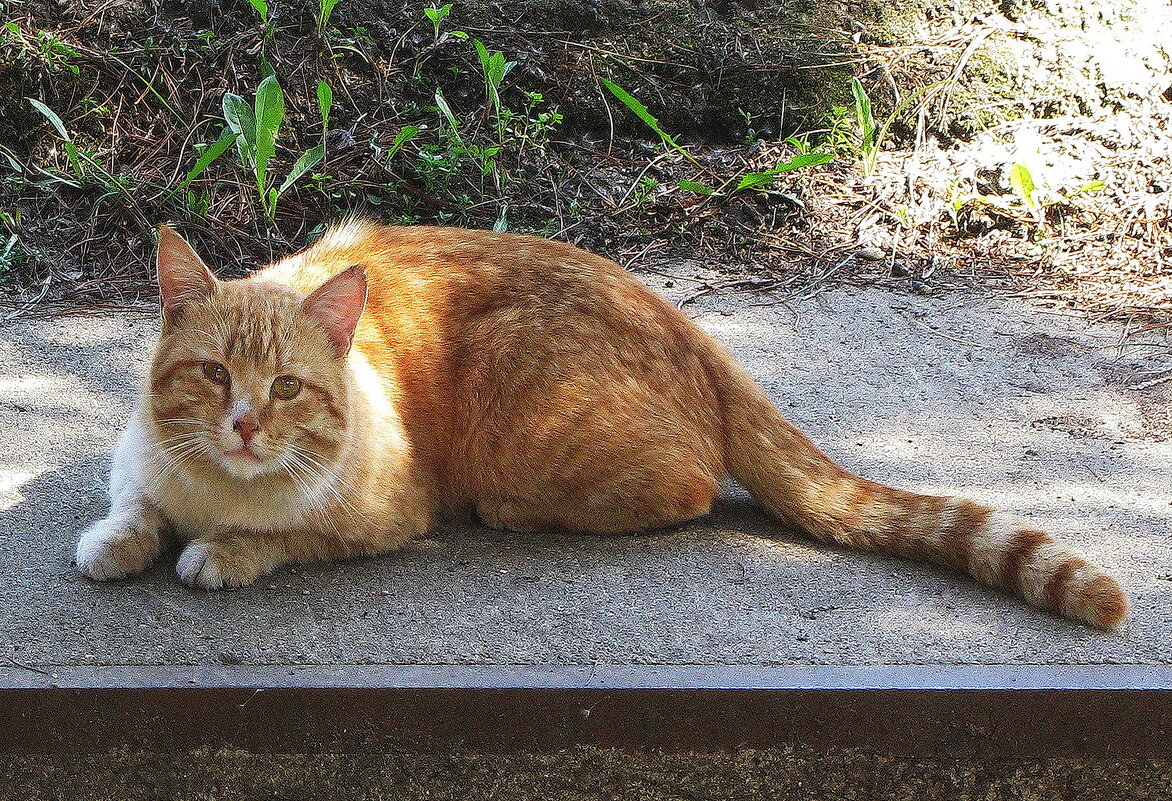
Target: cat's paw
[
  {"x": 113, "y": 549},
  {"x": 211, "y": 565}
]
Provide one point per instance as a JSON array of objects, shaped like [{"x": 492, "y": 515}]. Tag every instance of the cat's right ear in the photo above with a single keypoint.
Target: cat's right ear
[{"x": 183, "y": 277}]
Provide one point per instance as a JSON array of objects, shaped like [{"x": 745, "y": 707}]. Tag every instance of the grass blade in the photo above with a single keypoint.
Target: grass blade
[
  {"x": 206, "y": 158},
  {"x": 309, "y": 159}
]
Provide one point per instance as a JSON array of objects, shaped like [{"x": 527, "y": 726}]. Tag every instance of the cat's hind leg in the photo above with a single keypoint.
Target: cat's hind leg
[{"x": 618, "y": 504}]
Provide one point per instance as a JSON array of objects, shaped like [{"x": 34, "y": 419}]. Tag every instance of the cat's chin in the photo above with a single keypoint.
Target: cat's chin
[{"x": 244, "y": 464}]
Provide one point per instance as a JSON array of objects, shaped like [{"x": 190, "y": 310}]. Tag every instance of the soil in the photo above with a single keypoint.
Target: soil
[{"x": 1075, "y": 97}]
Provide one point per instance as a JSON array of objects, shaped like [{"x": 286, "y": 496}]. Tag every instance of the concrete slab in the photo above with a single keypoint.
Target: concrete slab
[{"x": 1021, "y": 406}]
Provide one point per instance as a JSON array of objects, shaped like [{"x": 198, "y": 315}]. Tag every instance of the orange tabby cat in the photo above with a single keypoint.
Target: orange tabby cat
[{"x": 335, "y": 403}]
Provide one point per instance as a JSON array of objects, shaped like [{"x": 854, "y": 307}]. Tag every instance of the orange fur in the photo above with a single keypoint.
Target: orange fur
[{"x": 537, "y": 384}]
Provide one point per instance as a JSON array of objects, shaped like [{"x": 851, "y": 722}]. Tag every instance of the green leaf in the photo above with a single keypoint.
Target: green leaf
[
  {"x": 446, "y": 110},
  {"x": 325, "y": 99},
  {"x": 753, "y": 180},
  {"x": 206, "y": 158},
  {"x": 309, "y": 159},
  {"x": 405, "y": 135},
  {"x": 648, "y": 118},
  {"x": 324, "y": 9},
  {"x": 1091, "y": 187},
  {"x": 70, "y": 149},
  {"x": 482, "y": 52},
  {"x": 262, "y": 8},
  {"x": 804, "y": 160},
  {"x": 270, "y": 111},
  {"x": 695, "y": 186},
  {"x": 1022, "y": 183},
  {"x": 52, "y": 117},
  {"x": 863, "y": 114},
  {"x": 242, "y": 121},
  {"x": 635, "y": 106}
]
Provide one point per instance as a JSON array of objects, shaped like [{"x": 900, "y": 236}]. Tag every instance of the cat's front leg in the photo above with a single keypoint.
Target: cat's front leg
[
  {"x": 230, "y": 559},
  {"x": 127, "y": 540},
  {"x": 121, "y": 545}
]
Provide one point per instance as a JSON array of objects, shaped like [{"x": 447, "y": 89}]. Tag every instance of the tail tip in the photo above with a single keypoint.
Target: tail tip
[{"x": 1103, "y": 602}]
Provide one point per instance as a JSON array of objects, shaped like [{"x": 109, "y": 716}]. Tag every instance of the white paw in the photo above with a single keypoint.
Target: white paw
[
  {"x": 198, "y": 567},
  {"x": 116, "y": 549}
]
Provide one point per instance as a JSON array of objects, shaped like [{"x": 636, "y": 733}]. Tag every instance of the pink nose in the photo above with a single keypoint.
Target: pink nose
[{"x": 246, "y": 425}]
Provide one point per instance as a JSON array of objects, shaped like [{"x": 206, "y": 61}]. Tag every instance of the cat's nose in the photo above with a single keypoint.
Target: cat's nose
[{"x": 246, "y": 425}]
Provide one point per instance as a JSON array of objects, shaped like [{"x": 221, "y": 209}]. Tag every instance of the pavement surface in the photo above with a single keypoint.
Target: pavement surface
[{"x": 1022, "y": 406}]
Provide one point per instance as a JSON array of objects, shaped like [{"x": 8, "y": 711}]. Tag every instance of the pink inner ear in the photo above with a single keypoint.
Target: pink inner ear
[
  {"x": 337, "y": 305},
  {"x": 183, "y": 277}
]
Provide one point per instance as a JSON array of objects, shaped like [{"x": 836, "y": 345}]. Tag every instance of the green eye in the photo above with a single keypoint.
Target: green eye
[
  {"x": 286, "y": 388},
  {"x": 216, "y": 372}
]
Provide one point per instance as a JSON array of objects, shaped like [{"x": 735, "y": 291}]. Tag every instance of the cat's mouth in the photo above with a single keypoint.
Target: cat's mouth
[{"x": 243, "y": 452}]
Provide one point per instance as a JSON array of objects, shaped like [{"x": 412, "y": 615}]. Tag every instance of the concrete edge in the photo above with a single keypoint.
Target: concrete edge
[{"x": 1097, "y": 712}]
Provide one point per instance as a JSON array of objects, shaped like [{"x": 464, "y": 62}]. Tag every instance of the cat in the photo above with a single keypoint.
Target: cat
[{"x": 340, "y": 401}]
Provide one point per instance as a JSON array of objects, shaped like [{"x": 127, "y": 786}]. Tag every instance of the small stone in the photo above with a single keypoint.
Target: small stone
[
  {"x": 899, "y": 270},
  {"x": 920, "y": 288},
  {"x": 869, "y": 254}
]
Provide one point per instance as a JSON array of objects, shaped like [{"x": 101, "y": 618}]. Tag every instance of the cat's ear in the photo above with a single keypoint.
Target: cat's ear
[
  {"x": 337, "y": 304},
  {"x": 183, "y": 277}
]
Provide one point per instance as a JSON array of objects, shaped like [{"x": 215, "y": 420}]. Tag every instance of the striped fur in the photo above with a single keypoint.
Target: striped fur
[{"x": 803, "y": 487}]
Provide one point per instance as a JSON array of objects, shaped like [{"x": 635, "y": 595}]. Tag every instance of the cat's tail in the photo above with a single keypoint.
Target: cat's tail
[{"x": 799, "y": 484}]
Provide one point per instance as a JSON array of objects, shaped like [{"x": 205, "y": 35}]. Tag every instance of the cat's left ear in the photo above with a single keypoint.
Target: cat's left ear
[
  {"x": 183, "y": 277},
  {"x": 337, "y": 304}
]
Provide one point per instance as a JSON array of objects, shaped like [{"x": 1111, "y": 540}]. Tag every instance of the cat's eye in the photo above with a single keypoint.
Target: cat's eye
[
  {"x": 216, "y": 372},
  {"x": 286, "y": 387}
]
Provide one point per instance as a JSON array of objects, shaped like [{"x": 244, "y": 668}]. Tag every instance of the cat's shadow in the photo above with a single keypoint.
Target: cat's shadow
[{"x": 733, "y": 586}]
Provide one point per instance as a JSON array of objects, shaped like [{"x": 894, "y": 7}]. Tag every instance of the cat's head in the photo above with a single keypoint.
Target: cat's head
[{"x": 250, "y": 376}]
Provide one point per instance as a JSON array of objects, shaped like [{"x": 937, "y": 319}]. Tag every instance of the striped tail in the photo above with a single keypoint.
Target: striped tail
[{"x": 805, "y": 489}]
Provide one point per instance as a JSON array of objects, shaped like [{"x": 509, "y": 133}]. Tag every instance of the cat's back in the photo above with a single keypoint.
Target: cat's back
[
  {"x": 430, "y": 282},
  {"x": 400, "y": 258}
]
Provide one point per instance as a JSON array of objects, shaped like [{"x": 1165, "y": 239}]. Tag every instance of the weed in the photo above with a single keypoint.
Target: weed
[
  {"x": 324, "y": 9},
  {"x": 71, "y": 150},
  {"x": 325, "y": 101},
  {"x": 494, "y": 69},
  {"x": 437, "y": 16},
  {"x": 751, "y": 133},
  {"x": 45, "y": 46},
  {"x": 871, "y": 137},
  {"x": 11, "y": 253},
  {"x": 539, "y": 124},
  {"x": 647, "y": 117},
  {"x": 254, "y": 131},
  {"x": 759, "y": 180}
]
